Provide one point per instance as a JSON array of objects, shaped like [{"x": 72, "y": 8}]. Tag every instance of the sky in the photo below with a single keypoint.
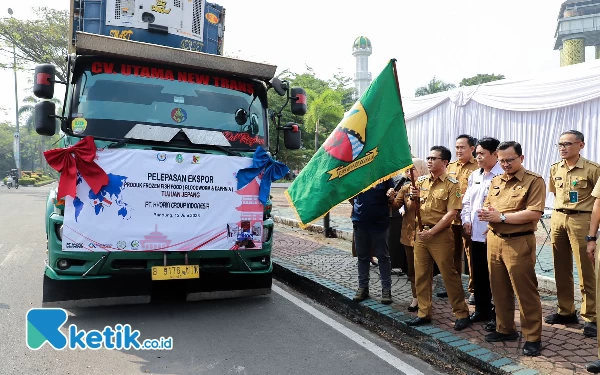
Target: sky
[{"x": 447, "y": 39}]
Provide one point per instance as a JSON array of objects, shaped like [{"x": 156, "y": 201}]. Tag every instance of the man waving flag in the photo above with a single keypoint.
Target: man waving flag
[{"x": 368, "y": 146}]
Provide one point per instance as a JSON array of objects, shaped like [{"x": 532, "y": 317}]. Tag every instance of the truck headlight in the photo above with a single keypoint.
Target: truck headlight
[{"x": 59, "y": 231}]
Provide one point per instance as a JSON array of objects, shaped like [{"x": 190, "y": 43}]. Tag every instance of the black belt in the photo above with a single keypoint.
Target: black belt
[
  {"x": 510, "y": 235},
  {"x": 571, "y": 212}
]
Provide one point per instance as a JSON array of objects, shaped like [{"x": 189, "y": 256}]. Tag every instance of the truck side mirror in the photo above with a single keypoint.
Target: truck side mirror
[
  {"x": 279, "y": 86},
  {"x": 298, "y": 97},
  {"x": 45, "y": 118},
  {"x": 292, "y": 136},
  {"x": 43, "y": 82}
]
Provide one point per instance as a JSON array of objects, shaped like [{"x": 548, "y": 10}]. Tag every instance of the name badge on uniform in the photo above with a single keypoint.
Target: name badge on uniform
[
  {"x": 558, "y": 178},
  {"x": 452, "y": 172},
  {"x": 573, "y": 196}
]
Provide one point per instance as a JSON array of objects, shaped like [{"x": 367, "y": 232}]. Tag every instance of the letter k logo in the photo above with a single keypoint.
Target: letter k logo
[{"x": 44, "y": 325}]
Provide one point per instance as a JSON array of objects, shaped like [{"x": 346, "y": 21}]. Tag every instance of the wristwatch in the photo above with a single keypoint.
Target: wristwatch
[
  {"x": 502, "y": 217},
  {"x": 590, "y": 238}
]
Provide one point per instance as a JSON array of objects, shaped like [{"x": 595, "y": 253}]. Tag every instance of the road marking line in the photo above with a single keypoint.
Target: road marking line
[
  {"x": 394, "y": 361},
  {"x": 7, "y": 257}
]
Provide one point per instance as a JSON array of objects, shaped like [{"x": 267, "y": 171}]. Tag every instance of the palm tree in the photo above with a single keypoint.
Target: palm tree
[
  {"x": 28, "y": 110},
  {"x": 434, "y": 86}
]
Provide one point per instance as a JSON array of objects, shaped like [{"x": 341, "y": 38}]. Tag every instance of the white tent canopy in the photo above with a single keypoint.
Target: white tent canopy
[{"x": 532, "y": 111}]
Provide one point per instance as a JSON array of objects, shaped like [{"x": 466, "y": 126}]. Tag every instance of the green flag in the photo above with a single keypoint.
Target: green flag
[{"x": 367, "y": 147}]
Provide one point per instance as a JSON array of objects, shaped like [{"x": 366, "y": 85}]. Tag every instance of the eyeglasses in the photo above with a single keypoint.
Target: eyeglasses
[
  {"x": 432, "y": 158},
  {"x": 507, "y": 161},
  {"x": 566, "y": 144}
]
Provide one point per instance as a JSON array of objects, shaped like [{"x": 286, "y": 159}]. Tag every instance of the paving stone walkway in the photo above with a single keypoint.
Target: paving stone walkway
[{"x": 566, "y": 350}]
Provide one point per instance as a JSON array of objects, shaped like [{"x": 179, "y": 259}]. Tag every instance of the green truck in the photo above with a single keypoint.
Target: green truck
[{"x": 151, "y": 114}]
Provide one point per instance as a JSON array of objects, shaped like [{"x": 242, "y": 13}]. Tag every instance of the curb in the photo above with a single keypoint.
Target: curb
[
  {"x": 545, "y": 283},
  {"x": 344, "y": 234},
  {"x": 441, "y": 346},
  {"x": 44, "y": 183}
]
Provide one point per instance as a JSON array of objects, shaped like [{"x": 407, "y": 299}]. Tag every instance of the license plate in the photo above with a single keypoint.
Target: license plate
[{"x": 176, "y": 272}]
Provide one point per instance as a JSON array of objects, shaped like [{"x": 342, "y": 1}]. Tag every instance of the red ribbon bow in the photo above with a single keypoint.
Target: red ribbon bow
[{"x": 79, "y": 157}]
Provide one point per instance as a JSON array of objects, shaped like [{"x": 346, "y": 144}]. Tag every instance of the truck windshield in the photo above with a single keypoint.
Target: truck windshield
[{"x": 111, "y": 97}]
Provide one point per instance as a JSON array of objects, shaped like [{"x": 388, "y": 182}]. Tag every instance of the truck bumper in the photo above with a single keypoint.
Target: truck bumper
[{"x": 139, "y": 288}]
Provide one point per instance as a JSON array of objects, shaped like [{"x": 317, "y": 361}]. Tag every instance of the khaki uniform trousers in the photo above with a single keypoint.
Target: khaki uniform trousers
[
  {"x": 462, "y": 241},
  {"x": 512, "y": 271},
  {"x": 598, "y": 286},
  {"x": 410, "y": 260},
  {"x": 438, "y": 249},
  {"x": 568, "y": 240}
]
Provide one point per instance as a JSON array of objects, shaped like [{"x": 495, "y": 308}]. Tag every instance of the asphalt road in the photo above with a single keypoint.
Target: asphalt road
[{"x": 283, "y": 333}]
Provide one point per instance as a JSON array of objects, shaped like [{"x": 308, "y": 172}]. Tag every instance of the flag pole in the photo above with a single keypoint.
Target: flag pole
[{"x": 412, "y": 175}]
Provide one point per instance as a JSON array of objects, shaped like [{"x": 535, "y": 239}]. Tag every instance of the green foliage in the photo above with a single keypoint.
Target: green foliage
[
  {"x": 39, "y": 41},
  {"x": 434, "y": 86},
  {"x": 327, "y": 101},
  {"x": 480, "y": 79},
  {"x": 26, "y": 181}
]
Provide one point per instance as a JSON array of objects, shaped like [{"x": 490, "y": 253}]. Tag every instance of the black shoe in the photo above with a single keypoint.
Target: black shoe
[
  {"x": 561, "y": 319},
  {"x": 594, "y": 367},
  {"x": 443, "y": 294},
  {"x": 472, "y": 299},
  {"x": 461, "y": 324},
  {"x": 413, "y": 308},
  {"x": 361, "y": 294},
  {"x": 398, "y": 271},
  {"x": 386, "y": 296},
  {"x": 418, "y": 321},
  {"x": 497, "y": 337},
  {"x": 490, "y": 326},
  {"x": 590, "y": 329},
  {"x": 532, "y": 349},
  {"x": 480, "y": 317}
]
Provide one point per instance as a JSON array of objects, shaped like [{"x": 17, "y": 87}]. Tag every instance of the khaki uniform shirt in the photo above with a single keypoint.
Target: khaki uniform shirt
[
  {"x": 461, "y": 172},
  {"x": 438, "y": 197},
  {"x": 409, "y": 223},
  {"x": 573, "y": 188},
  {"x": 596, "y": 192},
  {"x": 523, "y": 191}
]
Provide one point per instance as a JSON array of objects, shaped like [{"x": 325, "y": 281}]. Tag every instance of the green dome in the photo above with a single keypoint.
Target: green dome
[{"x": 362, "y": 42}]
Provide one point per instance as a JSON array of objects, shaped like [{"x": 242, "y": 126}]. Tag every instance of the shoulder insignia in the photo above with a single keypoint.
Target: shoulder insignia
[
  {"x": 532, "y": 173},
  {"x": 452, "y": 179},
  {"x": 453, "y": 162},
  {"x": 556, "y": 162},
  {"x": 422, "y": 178},
  {"x": 593, "y": 163}
]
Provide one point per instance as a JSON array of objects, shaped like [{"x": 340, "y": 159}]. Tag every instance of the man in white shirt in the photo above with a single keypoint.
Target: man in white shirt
[{"x": 477, "y": 189}]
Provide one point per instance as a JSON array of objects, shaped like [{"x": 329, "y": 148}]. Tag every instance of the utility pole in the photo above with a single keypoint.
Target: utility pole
[
  {"x": 327, "y": 230},
  {"x": 17, "y": 136}
]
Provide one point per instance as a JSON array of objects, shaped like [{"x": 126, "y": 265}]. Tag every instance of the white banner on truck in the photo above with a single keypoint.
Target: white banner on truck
[{"x": 165, "y": 201}]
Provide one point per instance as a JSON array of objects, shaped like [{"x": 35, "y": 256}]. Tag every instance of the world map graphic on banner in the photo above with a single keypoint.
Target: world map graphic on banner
[{"x": 108, "y": 196}]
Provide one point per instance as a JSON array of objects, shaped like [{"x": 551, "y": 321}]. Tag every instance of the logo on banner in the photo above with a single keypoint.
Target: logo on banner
[
  {"x": 179, "y": 158},
  {"x": 121, "y": 245},
  {"x": 135, "y": 244},
  {"x": 161, "y": 156},
  {"x": 196, "y": 159}
]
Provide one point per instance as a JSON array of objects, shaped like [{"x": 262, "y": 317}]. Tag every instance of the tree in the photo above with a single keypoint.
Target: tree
[
  {"x": 479, "y": 79},
  {"x": 434, "y": 86},
  {"x": 327, "y": 101},
  {"x": 38, "y": 41}
]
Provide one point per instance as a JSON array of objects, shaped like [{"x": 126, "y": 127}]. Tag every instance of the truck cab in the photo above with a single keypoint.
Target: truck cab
[{"x": 138, "y": 98}]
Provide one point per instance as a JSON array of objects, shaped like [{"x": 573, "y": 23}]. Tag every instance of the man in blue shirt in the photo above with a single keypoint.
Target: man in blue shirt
[{"x": 371, "y": 220}]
